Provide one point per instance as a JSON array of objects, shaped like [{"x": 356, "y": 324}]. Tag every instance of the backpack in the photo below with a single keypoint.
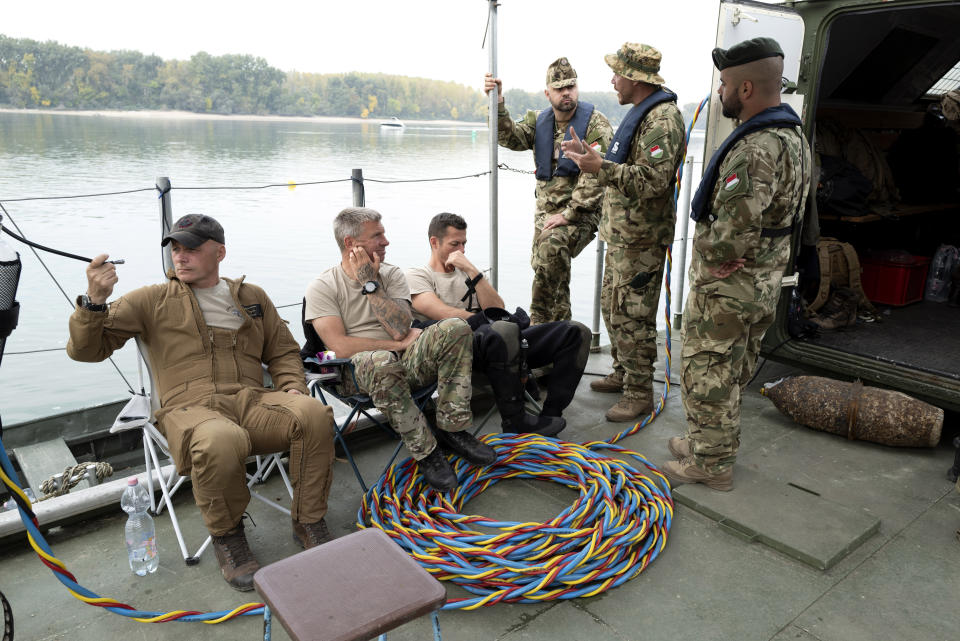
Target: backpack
[
  {"x": 839, "y": 268},
  {"x": 842, "y": 189}
]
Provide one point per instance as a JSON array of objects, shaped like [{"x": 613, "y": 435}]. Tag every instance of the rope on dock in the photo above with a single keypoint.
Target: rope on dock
[
  {"x": 60, "y": 484},
  {"x": 612, "y": 531},
  {"x": 10, "y": 480}
]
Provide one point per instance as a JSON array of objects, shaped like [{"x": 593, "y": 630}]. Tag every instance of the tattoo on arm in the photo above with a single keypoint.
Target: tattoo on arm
[
  {"x": 365, "y": 272},
  {"x": 393, "y": 313}
]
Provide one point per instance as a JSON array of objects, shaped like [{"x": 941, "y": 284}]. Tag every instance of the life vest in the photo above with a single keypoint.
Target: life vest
[
  {"x": 620, "y": 145},
  {"x": 770, "y": 118},
  {"x": 543, "y": 141}
]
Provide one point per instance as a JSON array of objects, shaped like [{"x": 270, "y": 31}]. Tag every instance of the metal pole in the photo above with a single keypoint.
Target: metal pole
[
  {"x": 597, "y": 287},
  {"x": 680, "y": 259},
  {"x": 359, "y": 197},
  {"x": 492, "y": 126},
  {"x": 166, "y": 220}
]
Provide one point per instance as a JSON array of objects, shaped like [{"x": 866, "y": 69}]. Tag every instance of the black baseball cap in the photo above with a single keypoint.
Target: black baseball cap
[
  {"x": 746, "y": 51},
  {"x": 194, "y": 230}
]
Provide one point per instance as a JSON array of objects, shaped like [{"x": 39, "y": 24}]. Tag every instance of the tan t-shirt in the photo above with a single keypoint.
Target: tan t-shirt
[
  {"x": 449, "y": 287},
  {"x": 218, "y": 306},
  {"x": 333, "y": 293}
]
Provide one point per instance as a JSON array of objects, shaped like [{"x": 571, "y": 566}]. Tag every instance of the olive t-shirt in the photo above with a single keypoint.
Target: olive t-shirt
[
  {"x": 449, "y": 287},
  {"x": 333, "y": 293}
]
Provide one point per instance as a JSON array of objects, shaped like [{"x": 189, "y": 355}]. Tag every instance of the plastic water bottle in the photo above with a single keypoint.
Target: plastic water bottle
[{"x": 139, "y": 532}]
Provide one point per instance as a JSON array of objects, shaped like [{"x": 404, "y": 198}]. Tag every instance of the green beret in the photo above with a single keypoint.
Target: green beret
[{"x": 746, "y": 51}]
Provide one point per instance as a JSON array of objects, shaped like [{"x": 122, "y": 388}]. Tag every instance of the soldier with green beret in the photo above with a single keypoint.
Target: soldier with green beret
[
  {"x": 752, "y": 194},
  {"x": 638, "y": 216},
  {"x": 567, "y": 202}
]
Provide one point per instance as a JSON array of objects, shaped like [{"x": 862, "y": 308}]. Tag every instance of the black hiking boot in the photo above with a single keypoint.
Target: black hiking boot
[
  {"x": 464, "y": 444},
  {"x": 524, "y": 423},
  {"x": 436, "y": 471},
  {"x": 237, "y": 563}
]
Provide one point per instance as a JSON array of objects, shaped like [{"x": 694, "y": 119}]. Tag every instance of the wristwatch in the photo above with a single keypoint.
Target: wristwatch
[
  {"x": 84, "y": 301},
  {"x": 369, "y": 287}
]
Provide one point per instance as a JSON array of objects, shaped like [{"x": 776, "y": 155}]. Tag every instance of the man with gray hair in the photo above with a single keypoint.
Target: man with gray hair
[{"x": 360, "y": 309}]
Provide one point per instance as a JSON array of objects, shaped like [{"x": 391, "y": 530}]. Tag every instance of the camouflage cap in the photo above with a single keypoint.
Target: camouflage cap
[
  {"x": 746, "y": 51},
  {"x": 194, "y": 230},
  {"x": 636, "y": 62},
  {"x": 560, "y": 74}
]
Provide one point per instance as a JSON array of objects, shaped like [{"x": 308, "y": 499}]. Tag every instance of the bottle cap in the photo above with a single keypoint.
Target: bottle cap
[{"x": 132, "y": 481}]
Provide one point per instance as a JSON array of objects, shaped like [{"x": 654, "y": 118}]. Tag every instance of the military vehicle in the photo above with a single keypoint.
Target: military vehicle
[{"x": 867, "y": 77}]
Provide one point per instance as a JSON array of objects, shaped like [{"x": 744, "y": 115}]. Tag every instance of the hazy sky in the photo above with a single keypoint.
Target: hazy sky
[{"x": 440, "y": 39}]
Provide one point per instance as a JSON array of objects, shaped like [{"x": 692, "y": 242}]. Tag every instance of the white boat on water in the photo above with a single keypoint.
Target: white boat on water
[{"x": 393, "y": 123}]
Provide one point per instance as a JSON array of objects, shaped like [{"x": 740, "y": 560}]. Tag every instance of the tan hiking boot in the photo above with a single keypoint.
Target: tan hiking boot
[
  {"x": 679, "y": 447},
  {"x": 628, "y": 409},
  {"x": 609, "y": 384},
  {"x": 686, "y": 471},
  {"x": 237, "y": 563},
  {"x": 310, "y": 535}
]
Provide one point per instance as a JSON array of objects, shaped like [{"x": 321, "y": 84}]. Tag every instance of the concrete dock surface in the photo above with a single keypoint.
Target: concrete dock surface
[{"x": 822, "y": 539}]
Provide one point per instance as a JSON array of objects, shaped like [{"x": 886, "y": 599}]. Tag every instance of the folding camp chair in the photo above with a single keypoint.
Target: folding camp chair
[
  {"x": 330, "y": 384},
  {"x": 140, "y": 412},
  {"x": 326, "y": 380}
]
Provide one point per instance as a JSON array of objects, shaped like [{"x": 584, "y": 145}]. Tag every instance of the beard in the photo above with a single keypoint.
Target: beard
[
  {"x": 565, "y": 105},
  {"x": 732, "y": 108}
]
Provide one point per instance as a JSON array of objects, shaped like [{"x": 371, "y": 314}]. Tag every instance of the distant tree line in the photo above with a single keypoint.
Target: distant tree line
[{"x": 51, "y": 75}]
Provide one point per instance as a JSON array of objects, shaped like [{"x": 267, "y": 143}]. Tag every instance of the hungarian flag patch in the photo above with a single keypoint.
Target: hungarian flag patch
[
  {"x": 595, "y": 146},
  {"x": 656, "y": 152},
  {"x": 731, "y": 182}
]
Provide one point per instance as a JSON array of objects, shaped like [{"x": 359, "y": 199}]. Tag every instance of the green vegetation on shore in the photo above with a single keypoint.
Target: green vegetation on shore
[{"x": 49, "y": 75}]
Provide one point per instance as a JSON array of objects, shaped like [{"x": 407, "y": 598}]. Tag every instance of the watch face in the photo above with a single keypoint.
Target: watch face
[{"x": 369, "y": 287}]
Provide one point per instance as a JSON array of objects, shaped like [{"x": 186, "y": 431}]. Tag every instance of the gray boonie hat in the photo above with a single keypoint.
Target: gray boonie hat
[
  {"x": 560, "y": 74},
  {"x": 636, "y": 62},
  {"x": 746, "y": 51},
  {"x": 194, "y": 230}
]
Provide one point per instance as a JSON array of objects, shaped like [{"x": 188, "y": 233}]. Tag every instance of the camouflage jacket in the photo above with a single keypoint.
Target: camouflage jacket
[
  {"x": 638, "y": 204},
  {"x": 573, "y": 196},
  {"x": 760, "y": 186}
]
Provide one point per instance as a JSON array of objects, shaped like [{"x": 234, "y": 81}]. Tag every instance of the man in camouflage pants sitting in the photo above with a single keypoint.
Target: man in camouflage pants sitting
[
  {"x": 568, "y": 202},
  {"x": 360, "y": 309},
  {"x": 637, "y": 221},
  {"x": 752, "y": 193}
]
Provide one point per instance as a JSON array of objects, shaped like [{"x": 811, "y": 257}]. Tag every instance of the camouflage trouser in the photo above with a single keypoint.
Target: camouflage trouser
[
  {"x": 721, "y": 343},
  {"x": 443, "y": 353},
  {"x": 550, "y": 258},
  {"x": 632, "y": 278}
]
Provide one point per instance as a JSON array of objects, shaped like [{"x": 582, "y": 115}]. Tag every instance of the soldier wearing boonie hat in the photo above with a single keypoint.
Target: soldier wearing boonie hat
[
  {"x": 567, "y": 201},
  {"x": 752, "y": 192},
  {"x": 637, "y": 221}
]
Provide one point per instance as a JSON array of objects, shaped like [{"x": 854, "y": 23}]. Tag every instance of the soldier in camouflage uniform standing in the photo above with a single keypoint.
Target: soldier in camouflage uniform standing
[
  {"x": 360, "y": 309},
  {"x": 752, "y": 194},
  {"x": 568, "y": 202},
  {"x": 638, "y": 216}
]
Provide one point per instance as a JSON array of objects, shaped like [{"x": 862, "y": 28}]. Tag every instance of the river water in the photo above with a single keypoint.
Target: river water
[{"x": 279, "y": 237}]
